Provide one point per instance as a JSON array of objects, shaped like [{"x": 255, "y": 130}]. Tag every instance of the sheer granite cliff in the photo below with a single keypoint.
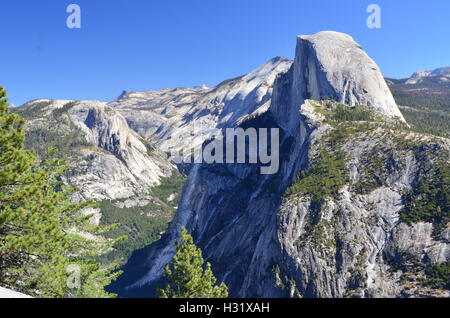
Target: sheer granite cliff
[
  {"x": 335, "y": 220},
  {"x": 107, "y": 159},
  {"x": 181, "y": 118}
]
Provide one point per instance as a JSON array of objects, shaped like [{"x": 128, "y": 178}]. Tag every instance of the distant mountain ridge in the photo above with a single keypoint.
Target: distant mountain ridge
[
  {"x": 424, "y": 100},
  {"x": 437, "y": 72}
]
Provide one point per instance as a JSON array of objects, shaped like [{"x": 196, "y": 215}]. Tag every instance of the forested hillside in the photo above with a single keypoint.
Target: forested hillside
[{"x": 425, "y": 103}]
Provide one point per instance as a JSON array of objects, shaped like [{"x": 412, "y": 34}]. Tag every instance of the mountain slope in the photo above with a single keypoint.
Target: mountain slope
[
  {"x": 114, "y": 149},
  {"x": 338, "y": 219},
  {"x": 425, "y": 102},
  {"x": 108, "y": 160},
  {"x": 358, "y": 208},
  {"x": 182, "y": 118},
  {"x": 108, "y": 163}
]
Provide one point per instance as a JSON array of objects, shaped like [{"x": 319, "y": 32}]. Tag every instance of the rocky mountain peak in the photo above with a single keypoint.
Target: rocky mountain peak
[
  {"x": 179, "y": 119},
  {"x": 418, "y": 74},
  {"x": 437, "y": 72},
  {"x": 332, "y": 65},
  {"x": 441, "y": 71}
]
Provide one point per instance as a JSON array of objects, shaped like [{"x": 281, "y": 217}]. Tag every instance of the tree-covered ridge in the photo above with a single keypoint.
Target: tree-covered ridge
[
  {"x": 428, "y": 121},
  {"x": 375, "y": 151},
  {"x": 429, "y": 200},
  {"x": 43, "y": 233},
  {"x": 57, "y": 131},
  {"x": 425, "y": 105},
  {"x": 329, "y": 171},
  {"x": 324, "y": 179}
]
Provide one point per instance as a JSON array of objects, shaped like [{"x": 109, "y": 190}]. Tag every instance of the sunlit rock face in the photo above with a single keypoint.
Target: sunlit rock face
[
  {"x": 331, "y": 64},
  {"x": 8, "y": 293},
  {"x": 107, "y": 159},
  {"x": 182, "y": 118},
  {"x": 260, "y": 241},
  {"x": 441, "y": 71}
]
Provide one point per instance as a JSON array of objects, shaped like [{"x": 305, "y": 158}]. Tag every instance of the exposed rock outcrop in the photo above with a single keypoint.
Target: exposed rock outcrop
[
  {"x": 437, "y": 72},
  {"x": 7, "y": 293},
  {"x": 332, "y": 65},
  {"x": 418, "y": 74},
  {"x": 182, "y": 118},
  {"x": 107, "y": 159},
  {"x": 117, "y": 148}
]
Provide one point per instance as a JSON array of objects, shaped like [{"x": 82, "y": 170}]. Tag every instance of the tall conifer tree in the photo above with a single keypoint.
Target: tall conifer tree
[
  {"x": 188, "y": 276},
  {"x": 41, "y": 231}
]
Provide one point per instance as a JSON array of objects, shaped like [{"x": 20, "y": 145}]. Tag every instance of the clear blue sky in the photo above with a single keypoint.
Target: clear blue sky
[{"x": 153, "y": 44}]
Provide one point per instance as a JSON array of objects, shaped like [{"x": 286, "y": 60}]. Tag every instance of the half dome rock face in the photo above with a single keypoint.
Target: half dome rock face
[{"x": 332, "y": 65}]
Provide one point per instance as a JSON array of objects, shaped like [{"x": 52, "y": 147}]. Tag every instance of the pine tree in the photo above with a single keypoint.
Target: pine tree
[
  {"x": 41, "y": 231},
  {"x": 187, "y": 275}
]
